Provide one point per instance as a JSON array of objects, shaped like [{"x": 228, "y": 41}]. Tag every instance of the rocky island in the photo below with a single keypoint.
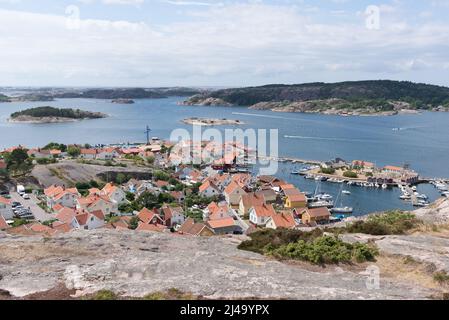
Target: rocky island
[
  {"x": 358, "y": 98},
  {"x": 53, "y": 115},
  {"x": 123, "y": 101},
  {"x": 212, "y": 122}
]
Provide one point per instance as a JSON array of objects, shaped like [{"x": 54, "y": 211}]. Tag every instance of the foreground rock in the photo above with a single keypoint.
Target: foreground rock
[{"x": 135, "y": 264}]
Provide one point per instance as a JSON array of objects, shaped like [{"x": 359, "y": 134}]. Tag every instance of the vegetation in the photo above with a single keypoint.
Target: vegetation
[
  {"x": 46, "y": 160},
  {"x": 41, "y": 112},
  {"x": 324, "y": 250},
  {"x": 19, "y": 222},
  {"x": 133, "y": 223},
  {"x": 73, "y": 151},
  {"x": 170, "y": 294},
  {"x": 55, "y": 146},
  {"x": 350, "y": 174},
  {"x": 312, "y": 246},
  {"x": 441, "y": 277},
  {"x": 328, "y": 170},
  {"x": 390, "y": 223},
  {"x": 18, "y": 161},
  {"x": 105, "y": 295},
  {"x": 196, "y": 215}
]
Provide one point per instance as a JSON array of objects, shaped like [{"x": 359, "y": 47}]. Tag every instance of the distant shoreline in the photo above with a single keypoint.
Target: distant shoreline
[
  {"x": 211, "y": 122},
  {"x": 42, "y": 120}
]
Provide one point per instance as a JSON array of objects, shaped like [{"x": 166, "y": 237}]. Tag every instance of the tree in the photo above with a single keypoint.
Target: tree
[
  {"x": 133, "y": 223},
  {"x": 73, "y": 151},
  {"x": 121, "y": 178}
]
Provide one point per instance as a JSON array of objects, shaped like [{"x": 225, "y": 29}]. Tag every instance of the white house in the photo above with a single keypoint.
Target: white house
[
  {"x": 107, "y": 154},
  {"x": 114, "y": 193},
  {"x": 173, "y": 216},
  {"x": 97, "y": 203},
  {"x": 88, "y": 154},
  {"x": 6, "y": 208},
  {"x": 59, "y": 195},
  {"x": 209, "y": 189},
  {"x": 260, "y": 215},
  {"x": 81, "y": 219},
  {"x": 233, "y": 193}
]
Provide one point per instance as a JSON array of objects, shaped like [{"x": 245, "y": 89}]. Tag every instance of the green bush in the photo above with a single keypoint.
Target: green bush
[
  {"x": 389, "y": 223},
  {"x": 324, "y": 250},
  {"x": 350, "y": 174},
  {"x": 105, "y": 295},
  {"x": 441, "y": 277},
  {"x": 328, "y": 170}
]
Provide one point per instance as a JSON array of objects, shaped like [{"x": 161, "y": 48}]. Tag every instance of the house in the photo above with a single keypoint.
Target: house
[
  {"x": 95, "y": 202},
  {"x": 57, "y": 195},
  {"x": 270, "y": 181},
  {"x": 315, "y": 216},
  {"x": 107, "y": 153},
  {"x": 150, "y": 217},
  {"x": 233, "y": 193},
  {"x": 3, "y": 224},
  {"x": 6, "y": 208},
  {"x": 150, "y": 227},
  {"x": 250, "y": 200},
  {"x": 295, "y": 199},
  {"x": 80, "y": 219},
  {"x": 190, "y": 227},
  {"x": 209, "y": 189},
  {"x": 173, "y": 216},
  {"x": 161, "y": 184},
  {"x": 216, "y": 211},
  {"x": 281, "y": 220},
  {"x": 114, "y": 193},
  {"x": 178, "y": 196},
  {"x": 269, "y": 195},
  {"x": 393, "y": 169},
  {"x": 89, "y": 220},
  {"x": 88, "y": 154},
  {"x": 259, "y": 215},
  {"x": 223, "y": 226},
  {"x": 363, "y": 164}
]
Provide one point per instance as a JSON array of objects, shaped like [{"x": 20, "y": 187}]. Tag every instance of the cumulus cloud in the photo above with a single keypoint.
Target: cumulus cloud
[{"x": 234, "y": 44}]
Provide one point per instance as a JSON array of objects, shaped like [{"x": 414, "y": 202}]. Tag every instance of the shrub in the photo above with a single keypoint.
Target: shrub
[
  {"x": 105, "y": 295},
  {"x": 328, "y": 170},
  {"x": 350, "y": 174},
  {"x": 324, "y": 250},
  {"x": 392, "y": 222},
  {"x": 441, "y": 277}
]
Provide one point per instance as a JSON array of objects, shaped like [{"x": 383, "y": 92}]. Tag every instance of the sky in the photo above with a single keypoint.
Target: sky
[{"x": 227, "y": 43}]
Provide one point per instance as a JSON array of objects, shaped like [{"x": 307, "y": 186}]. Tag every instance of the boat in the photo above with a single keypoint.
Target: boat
[
  {"x": 344, "y": 210},
  {"x": 346, "y": 192},
  {"x": 321, "y": 204},
  {"x": 295, "y": 172},
  {"x": 405, "y": 197},
  {"x": 323, "y": 196},
  {"x": 309, "y": 176},
  {"x": 384, "y": 186},
  {"x": 422, "y": 197}
]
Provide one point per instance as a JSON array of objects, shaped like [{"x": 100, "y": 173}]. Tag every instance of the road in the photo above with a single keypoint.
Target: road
[{"x": 37, "y": 211}]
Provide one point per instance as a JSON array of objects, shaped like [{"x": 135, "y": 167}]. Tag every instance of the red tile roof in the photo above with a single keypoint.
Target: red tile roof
[
  {"x": 3, "y": 224},
  {"x": 221, "y": 223}
]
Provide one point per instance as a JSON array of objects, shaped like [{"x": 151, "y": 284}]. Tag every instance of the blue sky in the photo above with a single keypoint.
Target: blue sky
[{"x": 221, "y": 43}]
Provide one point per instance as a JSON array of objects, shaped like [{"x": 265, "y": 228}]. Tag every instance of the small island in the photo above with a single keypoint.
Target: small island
[
  {"x": 53, "y": 115},
  {"x": 123, "y": 101},
  {"x": 212, "y": 122}
]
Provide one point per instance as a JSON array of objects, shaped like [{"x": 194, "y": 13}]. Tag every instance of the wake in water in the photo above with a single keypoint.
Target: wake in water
[{"x": 330, "y": 139}]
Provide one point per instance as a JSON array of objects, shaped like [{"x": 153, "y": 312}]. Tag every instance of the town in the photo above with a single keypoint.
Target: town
[{"x": 215, "y": 198}]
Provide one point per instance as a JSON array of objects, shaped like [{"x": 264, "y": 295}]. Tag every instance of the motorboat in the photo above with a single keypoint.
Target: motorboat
[
  {"x": 321, "y": 204},
  {"x": 405, "y": 197},
  {"x": 346, "y": 192},
  {"x": 295, "y": 172},
  {"x": 384, "y": 186},
  {"x": 324, "y": 196},
  {"x": 344, "y": 210}
]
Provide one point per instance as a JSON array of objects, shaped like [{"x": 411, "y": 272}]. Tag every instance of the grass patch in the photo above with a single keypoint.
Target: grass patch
[
  {"x": 170, "y": 294},
  {"x": 389, "y": 223},
  {"x": 104, "y": 295},
  {"x": 441, "y": 277},
  {"x": 312, "y": 247}
]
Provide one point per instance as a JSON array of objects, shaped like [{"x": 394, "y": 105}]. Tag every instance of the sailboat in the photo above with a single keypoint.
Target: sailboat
[{"x": 341, "y": 209}]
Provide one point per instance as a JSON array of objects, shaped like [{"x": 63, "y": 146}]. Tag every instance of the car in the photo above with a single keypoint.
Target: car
[
  {"x": 15, "y": 204},
  {"x": 26, "y": 196}
]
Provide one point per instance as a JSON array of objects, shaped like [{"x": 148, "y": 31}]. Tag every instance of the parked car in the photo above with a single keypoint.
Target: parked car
[{"x": 26, "y": 196}]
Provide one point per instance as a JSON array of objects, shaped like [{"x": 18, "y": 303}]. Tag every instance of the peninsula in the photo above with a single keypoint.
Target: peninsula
[
  {"x": 53, "y": 115},
  {"x": 212, "y": 122},
  {"x": 382, "y": 97}
]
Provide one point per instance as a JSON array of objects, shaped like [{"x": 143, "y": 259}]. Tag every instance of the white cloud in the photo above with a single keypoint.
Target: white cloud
[{"x": 239, "y": 44}]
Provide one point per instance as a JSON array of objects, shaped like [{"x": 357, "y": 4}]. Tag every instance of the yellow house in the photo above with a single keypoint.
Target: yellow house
[{"x": 296, "y": 200}]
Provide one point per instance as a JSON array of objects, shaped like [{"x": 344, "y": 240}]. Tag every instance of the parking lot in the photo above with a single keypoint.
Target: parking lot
[{"x": 38, "y": 212}]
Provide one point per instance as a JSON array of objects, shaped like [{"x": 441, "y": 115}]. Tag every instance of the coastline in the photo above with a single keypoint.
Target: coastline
[
  {"x": 211, "y": 122},
  {"x": 45, "y": 120}
]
